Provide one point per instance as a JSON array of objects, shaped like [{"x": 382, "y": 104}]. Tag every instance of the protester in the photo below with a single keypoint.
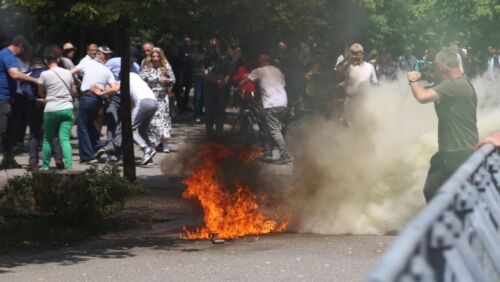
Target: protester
[
  {"x": 147, "y": 47},
  {"x": 69, "y": 52},
  {"x": 91, "y": 53},
  {"x": 198, "y": 59},
  {"x": 271, "y": 83},
  {"x": 57, "y": 88},
  {"x": 319, "y": 76},
  {"x": 360, "y": 76},
  {"x": 493, "y": 64},
  {"x": 471, "y": 63},
  {"x": 233, "y": 52},
  {"x": 9, "y": 73},
  {"x": 249, "y": 99},
  {"x": 113, "y": 105},
  {"x": 373, "y": 58},
  {"x": 426, "y": 66},
  {"x": 216, "y": 77},
  {"x": 185, "y": 72},
  {"x": 144, "y": 108},
  {"x": 288, "y": 61},
  {"x": 158, "y": 74},
  {"x": 94, "y": 73},
  {"x": 20, "y": 103},
  {"x": 407, "y": 61},
  {"x": 455, "y": 101},
  {"x": 387, "y": 69}
]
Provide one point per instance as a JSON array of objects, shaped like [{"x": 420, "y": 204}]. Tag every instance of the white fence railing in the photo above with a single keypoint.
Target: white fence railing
[{"x": 457, "y": 236}]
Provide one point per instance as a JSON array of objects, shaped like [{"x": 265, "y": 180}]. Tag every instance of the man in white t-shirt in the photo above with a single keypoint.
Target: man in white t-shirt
[
  {"x": 91, "y": 53},
  {"x": 360, "y": 76},
  {"x": 271, "y": 83},
  {"x": 145, "y": 106},
  {"x": 361, "y": 73}
]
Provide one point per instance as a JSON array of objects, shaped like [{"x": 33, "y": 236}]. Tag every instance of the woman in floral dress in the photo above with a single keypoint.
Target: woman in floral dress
[{"x": 158, "y": 74}]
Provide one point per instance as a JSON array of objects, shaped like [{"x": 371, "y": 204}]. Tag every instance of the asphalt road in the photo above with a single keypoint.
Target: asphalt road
[
  {"x": 157, "y": 254},
  {"x": 282, "y": 257}
]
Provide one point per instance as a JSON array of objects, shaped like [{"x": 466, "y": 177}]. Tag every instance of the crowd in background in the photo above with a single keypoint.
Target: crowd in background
[{"x": 49, "y": 91}]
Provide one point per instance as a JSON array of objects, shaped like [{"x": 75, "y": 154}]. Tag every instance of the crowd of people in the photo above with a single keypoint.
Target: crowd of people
[{"x": 49, "y": 91}]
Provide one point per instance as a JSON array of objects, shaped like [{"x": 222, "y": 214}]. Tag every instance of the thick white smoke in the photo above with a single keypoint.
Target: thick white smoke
[{"x": 368, "y": 179}]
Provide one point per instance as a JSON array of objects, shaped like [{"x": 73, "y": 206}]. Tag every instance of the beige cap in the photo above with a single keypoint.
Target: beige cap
[
  {"x": 104, "y": 49},
  {"x": 356, "y": 47},
  {"x": 68, "y": 46}
]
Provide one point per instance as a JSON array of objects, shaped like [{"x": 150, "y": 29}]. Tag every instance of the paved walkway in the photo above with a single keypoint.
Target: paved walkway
[{"x": 154, "y": 252}]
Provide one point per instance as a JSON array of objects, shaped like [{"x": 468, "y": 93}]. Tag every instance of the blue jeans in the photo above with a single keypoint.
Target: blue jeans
[
  {"x": 199, "y": 83},
  {"x": 113, "y": 117},
  {"x": 88, "y": 137},
  {"x": 275, "y": 117}
]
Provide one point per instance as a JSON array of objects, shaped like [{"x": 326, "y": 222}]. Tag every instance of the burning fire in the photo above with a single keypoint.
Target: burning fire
[{"x": 230, "y": 210}]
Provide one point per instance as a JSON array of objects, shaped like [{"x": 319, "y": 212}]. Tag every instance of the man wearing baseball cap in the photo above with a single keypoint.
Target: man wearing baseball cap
[{"x": 95, "y": 74}]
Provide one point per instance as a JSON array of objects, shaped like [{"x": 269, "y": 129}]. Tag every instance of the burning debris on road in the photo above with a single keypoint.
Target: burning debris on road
[{"x": 231, "y": 209}]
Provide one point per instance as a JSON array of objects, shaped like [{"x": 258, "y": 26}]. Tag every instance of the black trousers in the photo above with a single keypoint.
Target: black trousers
[
  {"x": 443, "y": 165},
  {"x": 215, "y": 106},
  {"x": 5, "y": 111}
]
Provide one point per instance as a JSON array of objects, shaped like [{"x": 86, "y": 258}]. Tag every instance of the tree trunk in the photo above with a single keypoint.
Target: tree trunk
[{"x": 125, "y": 113}]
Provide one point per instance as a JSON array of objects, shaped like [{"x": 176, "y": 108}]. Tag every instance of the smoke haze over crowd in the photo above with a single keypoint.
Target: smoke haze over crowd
[{"x": 368, "y": 179}]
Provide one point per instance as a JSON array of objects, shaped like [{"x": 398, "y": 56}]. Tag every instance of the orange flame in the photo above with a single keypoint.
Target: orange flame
[{"x": 227, "y": 214}]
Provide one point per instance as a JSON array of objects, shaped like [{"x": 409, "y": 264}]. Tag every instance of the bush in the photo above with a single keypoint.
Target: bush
[
  {"x": 16, "y": 197},
  {"x": 69, "y": 197}
]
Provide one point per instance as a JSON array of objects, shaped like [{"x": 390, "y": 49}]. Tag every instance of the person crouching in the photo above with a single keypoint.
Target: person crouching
[{"x": 144, "y": 106}]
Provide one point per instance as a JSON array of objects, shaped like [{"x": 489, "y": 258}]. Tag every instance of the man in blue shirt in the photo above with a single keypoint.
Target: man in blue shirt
[{"x": 9, "y": 73}]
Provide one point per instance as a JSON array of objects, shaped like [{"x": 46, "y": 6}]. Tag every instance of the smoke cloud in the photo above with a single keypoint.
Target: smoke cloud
[{"x": 368, "y": 179}]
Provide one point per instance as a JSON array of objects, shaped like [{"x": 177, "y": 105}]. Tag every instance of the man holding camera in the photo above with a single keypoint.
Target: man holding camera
[{"x": 455, "y": 101}]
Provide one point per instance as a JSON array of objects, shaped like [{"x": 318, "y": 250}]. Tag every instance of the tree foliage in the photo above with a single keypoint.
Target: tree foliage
[{"x": 375, "y": 23}]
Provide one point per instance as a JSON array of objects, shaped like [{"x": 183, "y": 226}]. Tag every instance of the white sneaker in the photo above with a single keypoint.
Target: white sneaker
[{"x": 148, "y": 155}]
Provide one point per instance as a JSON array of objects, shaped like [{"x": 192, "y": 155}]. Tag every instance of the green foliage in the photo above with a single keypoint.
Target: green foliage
[
  {"x": 259, "y": 23},
  {"x": 73, "y": 198},
  {"x": 16, "y": 197},
  {"x": 434, "y": 23}
]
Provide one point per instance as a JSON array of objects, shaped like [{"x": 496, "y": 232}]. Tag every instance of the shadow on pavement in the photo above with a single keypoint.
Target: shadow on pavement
[{"x": 113, "y": 248}]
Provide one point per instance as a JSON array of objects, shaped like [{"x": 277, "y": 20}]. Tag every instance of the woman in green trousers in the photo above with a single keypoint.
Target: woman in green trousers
[{"x": 56, "y": 88}]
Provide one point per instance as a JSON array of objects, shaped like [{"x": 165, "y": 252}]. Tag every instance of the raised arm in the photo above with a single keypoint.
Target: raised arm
[{"x": 422, "y": 95}]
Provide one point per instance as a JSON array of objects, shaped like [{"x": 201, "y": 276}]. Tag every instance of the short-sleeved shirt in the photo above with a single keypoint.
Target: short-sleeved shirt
[
  {"x": 96, "y": 73},
  {"x": 360, "y": 75},
  {"x": 7, "y": 83},
  {"x": 272, "y": 86},
  {"x": 115, "y": 64},
  {"x": 139, "y": 89},
  {"x": 67, "y": 63},
  {"x": 57, "y": 83},
  {"x": 456, "y": 111},
  {"x": 85, "y": 59}
]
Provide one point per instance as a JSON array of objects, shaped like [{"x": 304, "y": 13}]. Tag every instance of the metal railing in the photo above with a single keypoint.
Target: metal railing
[{"x": 457, "y": 236}]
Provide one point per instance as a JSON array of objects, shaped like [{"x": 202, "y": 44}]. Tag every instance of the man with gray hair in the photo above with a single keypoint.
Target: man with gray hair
[{"x": 455, "y": 101}]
